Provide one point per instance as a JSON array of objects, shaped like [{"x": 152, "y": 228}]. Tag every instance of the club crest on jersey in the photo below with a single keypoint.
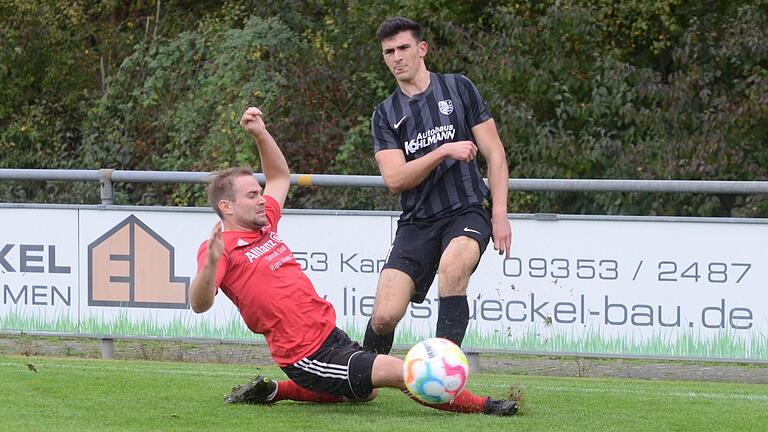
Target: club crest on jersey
[{"x": 446, "y": 106}]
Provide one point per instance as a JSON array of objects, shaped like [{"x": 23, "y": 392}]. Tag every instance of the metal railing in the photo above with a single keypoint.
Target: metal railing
[{"x": 107, "y": 177}]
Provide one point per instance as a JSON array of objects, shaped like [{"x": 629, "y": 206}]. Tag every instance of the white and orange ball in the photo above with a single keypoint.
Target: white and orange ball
[{"x": 435, "y": 370}]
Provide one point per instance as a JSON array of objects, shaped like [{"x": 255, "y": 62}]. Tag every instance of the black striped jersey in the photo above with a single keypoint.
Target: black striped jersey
[{"x": 445, "y": 112}]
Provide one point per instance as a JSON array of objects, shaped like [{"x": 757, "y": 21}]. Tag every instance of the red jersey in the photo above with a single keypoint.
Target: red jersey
[{"x": 258, "y": 273}]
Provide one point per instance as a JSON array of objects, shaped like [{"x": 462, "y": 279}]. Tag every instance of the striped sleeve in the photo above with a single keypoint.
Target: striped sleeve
[
  {"x": 477, "y": 109},
  {"x": 383, "y": 137}
]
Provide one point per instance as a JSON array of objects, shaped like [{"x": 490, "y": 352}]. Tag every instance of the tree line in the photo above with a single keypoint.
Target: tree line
[{"x": 582, "y": 89}]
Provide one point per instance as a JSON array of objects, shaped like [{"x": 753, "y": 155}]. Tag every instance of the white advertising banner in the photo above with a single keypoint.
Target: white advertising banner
[
  {"x": 39, "y": 270},
  {"x": 614, "y": 286}
]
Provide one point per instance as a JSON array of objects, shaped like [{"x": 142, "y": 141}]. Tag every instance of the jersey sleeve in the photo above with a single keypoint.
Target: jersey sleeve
[
  {"x": 476, "y": 108},
  {"x": 221, "y": 269},
  {"x": 272, "y": 210},
  {"x": 383, "y": 136}
]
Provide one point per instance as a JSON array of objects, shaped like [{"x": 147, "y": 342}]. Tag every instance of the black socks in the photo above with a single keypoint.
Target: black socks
[
  {"x": 452, "y": 318},
  {"x": 452, "y": 321},
  {"x": 380, "y": 344}
]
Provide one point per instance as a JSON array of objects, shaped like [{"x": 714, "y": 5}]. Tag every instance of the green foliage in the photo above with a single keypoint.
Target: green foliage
[
  {"x": 175, "y": 103},
  {"x": 54, "y": 62},
  {"x": 42, "y": 88},
  {"x": 571, "y": 113},
  {"x": 640, "y": 89}
]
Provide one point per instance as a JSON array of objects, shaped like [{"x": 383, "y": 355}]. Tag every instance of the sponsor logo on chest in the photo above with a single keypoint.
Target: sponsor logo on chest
[
  {"x": 426, "y": 139},
  {"x": 268, "y": 246}
]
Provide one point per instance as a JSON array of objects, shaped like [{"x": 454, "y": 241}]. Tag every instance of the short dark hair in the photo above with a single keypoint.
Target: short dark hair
[
  {"x": 392, "y": 26},
  {"x": 222, "y": 186}
]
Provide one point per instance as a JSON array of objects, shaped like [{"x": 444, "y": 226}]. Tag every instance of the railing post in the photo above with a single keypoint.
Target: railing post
[
  {"x": 107, "y": 193},
  {"x": 107, "y": 348},
  {"x": 473, "y": 360}
]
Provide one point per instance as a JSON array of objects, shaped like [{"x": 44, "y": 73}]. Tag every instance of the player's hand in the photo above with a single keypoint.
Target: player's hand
[
  {"x": 502, "y": 235},
  {"x": 215, "y": 245},
  {"x": 252, "y": 122},
  {"x": 464, "y": 151}
]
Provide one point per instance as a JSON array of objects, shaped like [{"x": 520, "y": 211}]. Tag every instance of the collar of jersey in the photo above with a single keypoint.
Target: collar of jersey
[
  {"x": 238, "y": 239},
  {"x": 422, "y": 95}
]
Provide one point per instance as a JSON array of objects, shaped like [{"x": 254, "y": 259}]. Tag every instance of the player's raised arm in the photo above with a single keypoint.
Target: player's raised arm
[{"x": 272, "y": 160}]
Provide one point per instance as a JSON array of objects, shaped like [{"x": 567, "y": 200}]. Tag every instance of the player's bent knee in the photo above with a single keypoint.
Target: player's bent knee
[
  {"x": 384, "y": 324},
  {"x": 453, "y": 282},
  {"x": 455, "y": 275}
]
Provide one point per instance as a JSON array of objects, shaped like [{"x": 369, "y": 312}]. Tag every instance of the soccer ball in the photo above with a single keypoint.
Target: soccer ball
[{"x": 435, "y": 370}]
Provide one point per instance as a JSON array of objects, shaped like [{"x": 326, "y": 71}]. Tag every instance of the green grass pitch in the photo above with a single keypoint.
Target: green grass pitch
[{"x": 79, "y": 394}]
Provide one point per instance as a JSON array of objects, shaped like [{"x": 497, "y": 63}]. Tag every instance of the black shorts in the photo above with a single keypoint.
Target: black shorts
[
  {"x": 419, "y": 245},
  {"x": 340, "y": 367}
]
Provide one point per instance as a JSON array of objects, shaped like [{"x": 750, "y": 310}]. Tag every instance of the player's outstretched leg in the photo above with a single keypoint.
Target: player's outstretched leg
[
  {"x": 501, "y": 407},
  {"x": 468, "y": 403},
  {"x": 262, "y": 390},
  {"x": 259, "y": 390},
  {"x": 387, "y": 371}
]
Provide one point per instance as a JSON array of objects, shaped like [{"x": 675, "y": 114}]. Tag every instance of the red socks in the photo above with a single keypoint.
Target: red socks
[
  {"x": 289, "y": 390},
  {"x": 465, "y": 402}
]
